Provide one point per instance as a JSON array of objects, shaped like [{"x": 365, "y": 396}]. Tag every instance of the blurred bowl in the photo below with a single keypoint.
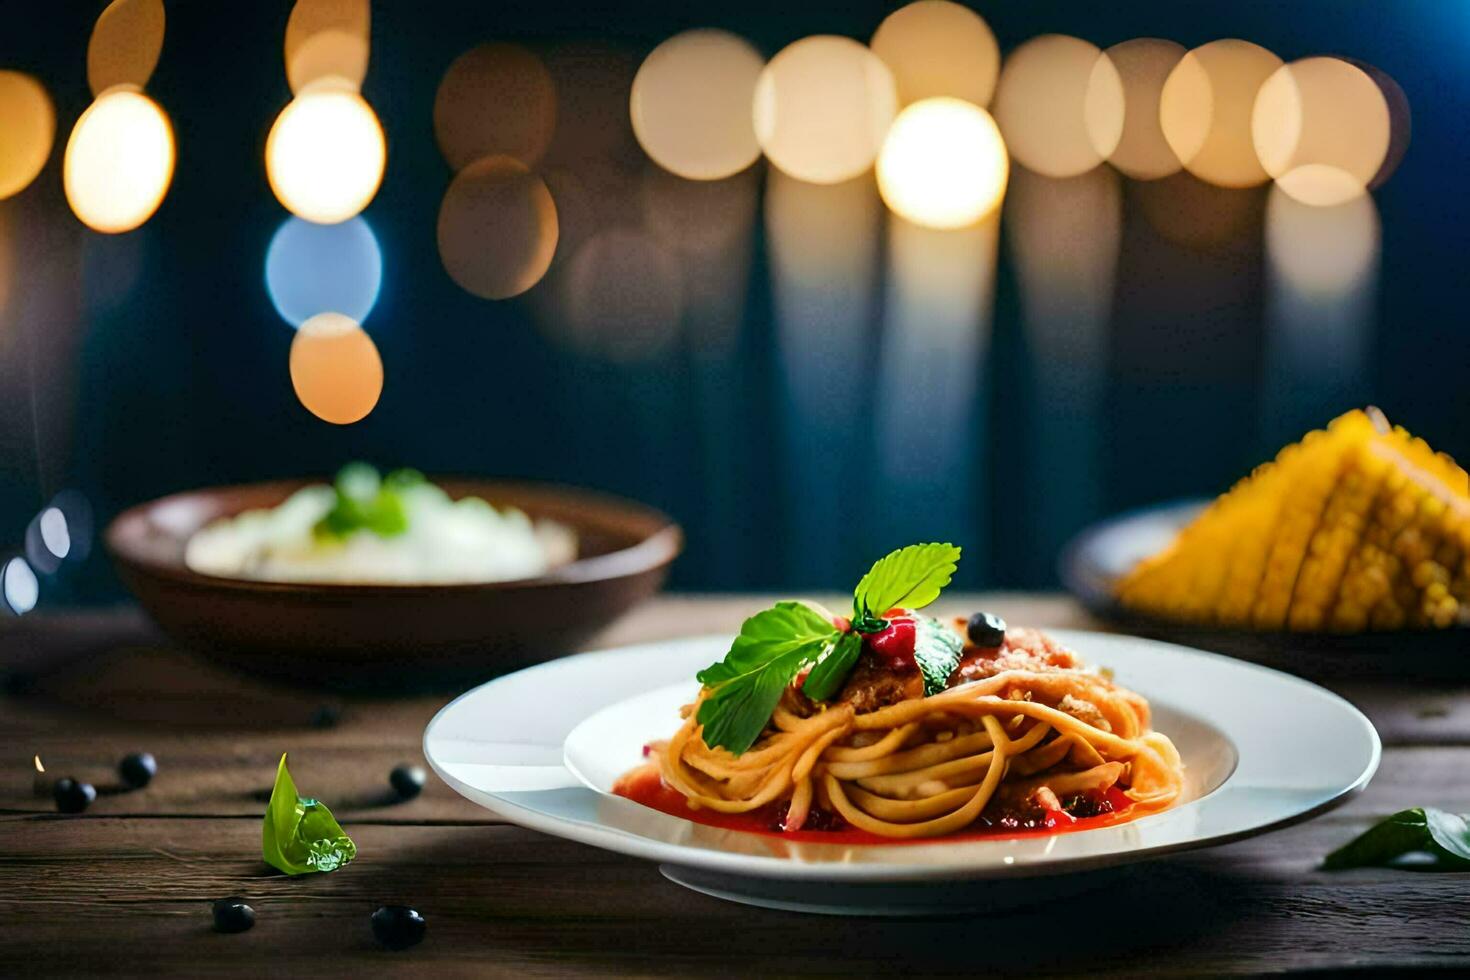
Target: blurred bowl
[{"x": 393, "y": 637}]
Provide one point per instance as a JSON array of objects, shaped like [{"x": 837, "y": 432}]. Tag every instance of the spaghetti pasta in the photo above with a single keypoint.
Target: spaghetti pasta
[{"x": 1022, "y": 731}]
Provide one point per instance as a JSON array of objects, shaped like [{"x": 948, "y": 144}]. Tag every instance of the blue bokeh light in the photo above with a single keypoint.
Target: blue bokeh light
[{"x": 311, "y": 269}]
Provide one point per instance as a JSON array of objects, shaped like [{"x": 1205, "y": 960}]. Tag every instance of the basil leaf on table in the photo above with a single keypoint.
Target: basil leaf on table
[
  {"x": 772, "y": 648},
  {"x": 300, "y": 835},
  {"x": 910, "y": 578},
  {"x": 1421, "y": 829}
]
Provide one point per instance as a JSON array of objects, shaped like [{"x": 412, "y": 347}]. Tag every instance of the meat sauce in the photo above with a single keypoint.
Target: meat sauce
[{"x": 1104, "y": 809}]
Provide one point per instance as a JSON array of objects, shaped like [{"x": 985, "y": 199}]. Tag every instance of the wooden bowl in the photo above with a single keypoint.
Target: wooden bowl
[{"x": 393, "y": 637}]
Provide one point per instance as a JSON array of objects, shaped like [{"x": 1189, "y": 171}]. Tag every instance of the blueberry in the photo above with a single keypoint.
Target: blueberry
[
  {"x": 407, "y": 780},
  {"x": 986, "y": 630},
  {"x": 72, "y": 796},
  {"x": 398, "y": 926},
  {"x": 138, "y": 769},
  {"x": 233, "y": 915}
]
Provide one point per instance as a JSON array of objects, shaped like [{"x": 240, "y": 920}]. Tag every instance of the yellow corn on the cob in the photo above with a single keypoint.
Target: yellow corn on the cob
[{"x": 1356, "y": 527}]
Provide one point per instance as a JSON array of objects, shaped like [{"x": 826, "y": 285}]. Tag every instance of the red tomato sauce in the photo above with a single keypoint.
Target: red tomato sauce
[{"x": 645, "y": 786}]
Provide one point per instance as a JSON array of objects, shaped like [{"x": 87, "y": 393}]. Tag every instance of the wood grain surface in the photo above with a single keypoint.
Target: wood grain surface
[{"x": 125, "y": 888}]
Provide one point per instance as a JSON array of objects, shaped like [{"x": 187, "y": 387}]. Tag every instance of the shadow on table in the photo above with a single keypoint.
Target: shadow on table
[{"x": 522, "y": 895}]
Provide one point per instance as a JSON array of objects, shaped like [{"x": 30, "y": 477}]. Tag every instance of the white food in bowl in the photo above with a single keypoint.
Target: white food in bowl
[{"x": 446, "y": 542}]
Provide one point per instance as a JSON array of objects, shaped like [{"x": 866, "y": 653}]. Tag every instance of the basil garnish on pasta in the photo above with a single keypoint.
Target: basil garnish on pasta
[{"x": 777, "y": 644}]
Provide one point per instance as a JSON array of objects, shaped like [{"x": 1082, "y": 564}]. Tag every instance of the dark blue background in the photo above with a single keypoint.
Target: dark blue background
[{"x": 154, "y": 361}]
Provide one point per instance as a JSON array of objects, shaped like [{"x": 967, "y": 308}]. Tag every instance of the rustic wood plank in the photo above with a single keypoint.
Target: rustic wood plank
[{"x": 502, "y": 899}]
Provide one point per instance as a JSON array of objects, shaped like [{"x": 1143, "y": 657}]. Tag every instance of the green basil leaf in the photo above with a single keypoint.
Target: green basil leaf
[
  {"x": 1450, "y": 836},
  {"x": 300, "y": 835},
  {"x": 908, "y": 578},
  {"x": 366, "y": 502},
  {"x": 826, "y": 678},
  {"x": 772, "y": 648},
  {"x": 937, "y": 649},
  {"x": 1403, "y": 833}
]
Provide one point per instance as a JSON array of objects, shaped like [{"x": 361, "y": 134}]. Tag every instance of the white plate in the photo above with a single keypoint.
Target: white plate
[{"x": 542, "y": 747}]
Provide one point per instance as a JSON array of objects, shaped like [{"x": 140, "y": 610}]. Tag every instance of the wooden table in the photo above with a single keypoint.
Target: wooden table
[{"x": 126, "y": 887}]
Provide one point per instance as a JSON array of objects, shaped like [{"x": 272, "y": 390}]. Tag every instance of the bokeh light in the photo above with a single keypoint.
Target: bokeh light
[
  {"x": 26, "y": 137},
  {"x": 311, "y": 269},
  {"x": 944, "y": 164},
  {"x": 494, "y": 99},
  {"x": 1144, "y": 65},
  {"x": 48, "y": 541},
  {"x": 325, "y": 154},
  {"x": 330, "y": 55},
  {"x": 76, "y": 512},
  {"x": 691, "y": 104},
  {"x": 1206, "y": 106},
  {"x": 119, "y": 161},
  {"x": 125, "y": 44},
  {"x": 1320, "y": 250},
  {"x": 822, "y": 108},
  {"x": 335, "y": 369},
  {"x": 1321, "y": 128},
  {"x": 497, "y": 228},
  {"x": 934, "y": 47},
  {"x": 623, "y": 296},
  {"x": 1059, "y": 104},
  {"x": 327, "y": 39},
  {"x": 18, "y": 586}
]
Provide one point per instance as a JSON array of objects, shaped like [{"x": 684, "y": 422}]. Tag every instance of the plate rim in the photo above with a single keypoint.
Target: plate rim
[{"x": 623, "y": 841}]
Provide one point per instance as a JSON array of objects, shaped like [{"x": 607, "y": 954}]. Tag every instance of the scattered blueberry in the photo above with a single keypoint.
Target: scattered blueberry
[
  {"x": 986, "y": 630},
  {"x": 138, "y": 769},
  {"x": 408, "y": 781},
  {"x": 398, "y": 926},
  {"x": 233, "y": 915},
  {"x": 72, "y": 796},
  {"x": 326, "y": 716}
]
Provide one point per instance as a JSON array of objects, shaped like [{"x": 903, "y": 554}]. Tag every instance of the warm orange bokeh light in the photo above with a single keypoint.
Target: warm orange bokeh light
[
  {"x": 327, "y": 39},
  {"x": 494, "y": 99},
  {"x": 937, "y": 48},
  {"x": 325, "y": 153},
  {"x": 29, "y": 130},
  {"x": 335, "y": 369},
  {"x": 1205, "y": 111},
  {"x": 125, "y": 44},
  {"x": 944, "y": 164},
  {"x": 1059, "y": 104},
  {"x": 1144, "y": 65},
  {"x": 823, "y": 107},
  {"x": 497, "y": 228},
  {"x": 691, "y": 104},
  {"x": 1321, "y": 127},
  {"x": 119, "y": 161}
]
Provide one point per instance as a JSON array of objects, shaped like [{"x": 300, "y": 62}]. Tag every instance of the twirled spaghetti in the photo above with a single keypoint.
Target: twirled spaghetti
[{"x": 1023, "y": 735}]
